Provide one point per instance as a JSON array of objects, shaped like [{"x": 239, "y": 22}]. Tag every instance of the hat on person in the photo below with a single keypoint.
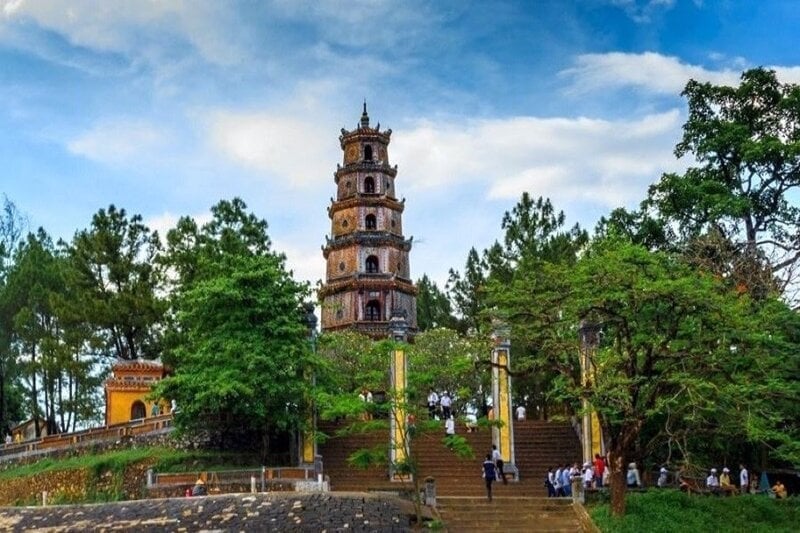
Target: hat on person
[
  {"x": 631, "y": 466},
  {"x": 199, "y": 482},
  {"x": 587, "y": 464},
  {"x": 713, "y": 470},
  {"x": 663, "y": 470},
  {"x": 725, "y": 469}
]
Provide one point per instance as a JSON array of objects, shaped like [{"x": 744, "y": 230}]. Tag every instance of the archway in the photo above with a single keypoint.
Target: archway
[{"x": 138, "y": 410}]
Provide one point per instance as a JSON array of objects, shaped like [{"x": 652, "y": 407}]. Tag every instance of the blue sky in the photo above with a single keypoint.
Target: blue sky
[{"x": 166, "y": 107}]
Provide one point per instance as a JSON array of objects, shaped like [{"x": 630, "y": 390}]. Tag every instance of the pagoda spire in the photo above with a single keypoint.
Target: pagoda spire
[{"x": 365, "y": 116}]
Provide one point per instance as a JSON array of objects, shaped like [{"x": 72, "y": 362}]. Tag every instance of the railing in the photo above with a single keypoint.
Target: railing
[
  {"x": 143, "y": 426},
  {"x": 224, "y": 477}
]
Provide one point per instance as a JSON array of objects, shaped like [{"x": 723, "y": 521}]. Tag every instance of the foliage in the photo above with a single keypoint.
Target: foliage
[
  {"x": 535, "y": 232},
  {"x": 48, "y": 340},
  {"x": 349, "y": 362},
  {"x": 442, "y": 360},
  {"x": 243, "y": 350},
  {"x": 12, "y": 228},
  {"x": 667, "y": 511},
  {"x": 465, "y": 292},
  {"x": 115, "y": 272},
  {"x": 665, "y": 347},
  {"x": 433, "y": 306},
  {"x": 746, "y": 140}
]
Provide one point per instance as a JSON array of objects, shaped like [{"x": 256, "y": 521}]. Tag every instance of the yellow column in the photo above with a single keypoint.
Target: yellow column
[
  {"x": 399, "y": 436},
  {"x": 308, "y": 441},
  {"x": 503, "y": 436},
  {"x": 308, "y": 445},
  {"x": 591, "y": 437}
]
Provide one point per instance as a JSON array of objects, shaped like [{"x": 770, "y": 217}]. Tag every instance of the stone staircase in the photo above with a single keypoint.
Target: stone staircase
[
  {"x": 508, "y": 514},
  {"x": 460, "y": 488}
]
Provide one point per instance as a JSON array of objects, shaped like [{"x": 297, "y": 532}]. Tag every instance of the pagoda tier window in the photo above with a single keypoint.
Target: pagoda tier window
[
  {"x": 138, "y": 410},
  {"x": 372, "y": 312},
  {"x": 372, "y": 265},
  {"x": 369, "y": 185},
  {"x": 370, "y": 222},
  {"x": 368, "y": 153}
]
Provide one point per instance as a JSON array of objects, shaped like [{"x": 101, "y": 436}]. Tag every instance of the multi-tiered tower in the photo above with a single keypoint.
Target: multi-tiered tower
[{"x": 368, "y": 276}]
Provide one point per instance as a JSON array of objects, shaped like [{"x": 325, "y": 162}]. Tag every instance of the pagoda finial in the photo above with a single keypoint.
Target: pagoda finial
[{"x": 364, "y": 116}]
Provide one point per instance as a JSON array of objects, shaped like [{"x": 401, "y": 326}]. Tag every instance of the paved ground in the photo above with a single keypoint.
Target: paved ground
[{"x": 229, "y": 512}]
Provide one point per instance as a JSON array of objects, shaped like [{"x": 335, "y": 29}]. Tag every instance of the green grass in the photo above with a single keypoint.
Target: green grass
[
  {"x": 667, "y": 511},
  {"x": 166, "y": 460}
]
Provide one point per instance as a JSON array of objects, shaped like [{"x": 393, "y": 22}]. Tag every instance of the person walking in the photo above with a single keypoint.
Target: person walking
[
  {"x": 712, "y": 482},
  {"x": 744, "y": 479},
  {"x": 662, "y": 477},
  {"x": 489, "y": 475},
  {"x": 498, "y": 461},
  {"x": 449, "y": 427},
  {"x": 447, "y": 404},
  {"x": 557, "y": 483},
  {"x": 599, "y": 470},
  {"x": 633, "y": 478},
  {"x": 549, "y": 482},
  {"x": 521, "y": 412},
  {"x": 566, "y": 480},
  {"x": 433, "y": 401}
]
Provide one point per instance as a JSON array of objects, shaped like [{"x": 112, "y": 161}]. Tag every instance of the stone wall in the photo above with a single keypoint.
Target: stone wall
[
  {"x": 76, "y": 485},
  {"x": 232, "y": 512}
]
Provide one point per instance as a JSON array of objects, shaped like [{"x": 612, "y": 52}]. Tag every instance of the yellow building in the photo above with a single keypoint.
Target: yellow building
[{"x": 127, "y": 390}]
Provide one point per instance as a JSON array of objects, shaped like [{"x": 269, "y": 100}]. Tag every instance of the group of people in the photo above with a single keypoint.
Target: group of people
[
  {"x": 440, "y": 405},
  {"x": 493, "y": 470},
  {"x": 591, "y": 475},
  {"x": 718, "y": 484},
  {"x": 722, "y": 484}
]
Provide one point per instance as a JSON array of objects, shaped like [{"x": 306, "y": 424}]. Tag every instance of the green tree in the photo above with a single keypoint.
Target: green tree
[
  {"x": 350, "y": 362},
  {"x": 241, "y": 352},
  {"x": 465, "y": 291},
  {"x": 433, "y": 306},
  {"x": 116, "y": 272},
  {"x": 534, "y": 231},
  {"x": 12, "y": 228},
  {"x": 54, "y": 353},
  {"x": 443, "y": 360},
  {"x": 666, "y": 333},
  {"x": 746, "y": 140},
  {"x": 637, "y": 227}
]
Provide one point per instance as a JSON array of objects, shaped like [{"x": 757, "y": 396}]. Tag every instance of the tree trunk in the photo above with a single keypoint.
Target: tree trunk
[
  {"x": 34, "y": 395},
  {"x": 5, "y": 426},
  {"x": 619, "y": 483}
]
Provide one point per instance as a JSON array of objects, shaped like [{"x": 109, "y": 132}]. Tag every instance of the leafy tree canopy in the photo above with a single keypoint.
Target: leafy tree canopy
[
  {"x": 115, "y": 270},
  {"x": 241, "y": 353},
  {"x": 746, "y": 141},
  {"x": 666, "y": 339}
]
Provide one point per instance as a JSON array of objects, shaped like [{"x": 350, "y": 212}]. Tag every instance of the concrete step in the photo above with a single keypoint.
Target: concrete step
[{"x": 508, "y": 514}]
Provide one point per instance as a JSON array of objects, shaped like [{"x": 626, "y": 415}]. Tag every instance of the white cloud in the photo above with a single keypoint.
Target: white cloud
[
  {"x": 298, "y": 150},
  {"x": 131, "y": 28},
  {"x": 651, "y": 71},
  {"x": 305, "y": 262},
  {"x": 607, "y": 163},
  {"x": 166, "y": 221},
  {"x": 120, "y": 140}
]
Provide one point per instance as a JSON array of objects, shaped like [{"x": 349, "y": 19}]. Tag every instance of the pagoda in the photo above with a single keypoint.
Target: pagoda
[{"x": 368, "y": 275}]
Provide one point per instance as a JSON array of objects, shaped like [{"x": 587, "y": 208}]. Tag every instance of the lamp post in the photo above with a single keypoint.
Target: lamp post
[
  {"x": 399, "y": 449},
  {"x": 309, "y": 447}
]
